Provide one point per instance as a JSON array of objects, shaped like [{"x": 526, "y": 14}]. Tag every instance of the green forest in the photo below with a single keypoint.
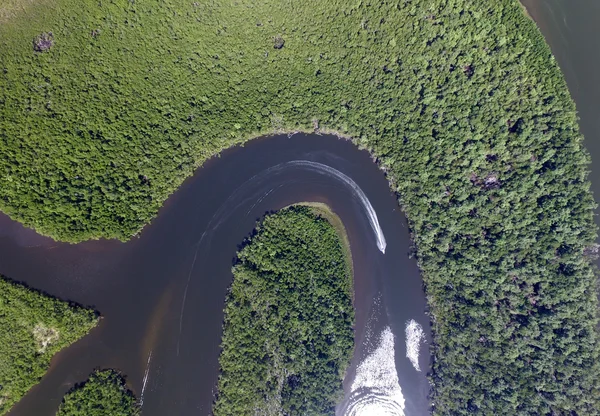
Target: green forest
[
  {"x": 107, "y": 106},
  {"x": 288, "y": 332},
  {"x": 34, "y": 328},
  {"x": 103, "y": 394}
]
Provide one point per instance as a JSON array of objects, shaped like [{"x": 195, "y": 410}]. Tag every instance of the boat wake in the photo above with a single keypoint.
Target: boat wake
[
  {"x": 240, "y": 198},
  {"x": 414, "y": 337},
  {"x": 366, "y": 204},
  {"x": 145, "y": 380},
  {"x": 376, "y": 390}
]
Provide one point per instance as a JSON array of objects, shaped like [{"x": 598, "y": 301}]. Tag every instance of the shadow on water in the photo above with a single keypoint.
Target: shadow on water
[{"x": 162, "y": 294}]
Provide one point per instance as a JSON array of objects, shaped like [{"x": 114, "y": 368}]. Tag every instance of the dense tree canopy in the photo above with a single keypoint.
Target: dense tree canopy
[
  {"x": 105, "y": 107},
  {"x": 33, "y": 327},
  {"x": 103, "y": 394},
  {"x": 288, "y": 332}
]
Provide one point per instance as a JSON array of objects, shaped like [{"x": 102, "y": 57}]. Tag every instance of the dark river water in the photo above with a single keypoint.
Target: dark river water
[{"x": 162, "y": 295}]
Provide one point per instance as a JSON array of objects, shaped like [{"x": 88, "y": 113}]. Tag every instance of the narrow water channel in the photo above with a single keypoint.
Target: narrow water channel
[{"x": 162, "y": 294}]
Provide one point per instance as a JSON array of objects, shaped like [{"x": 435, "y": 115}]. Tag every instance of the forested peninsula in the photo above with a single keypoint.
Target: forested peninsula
[
  {"x": 103, "y": 394},
  {"x": 106, "y": 107},
  {"x": 34, "y": 328},
  {"x": 288, "y": 332}
]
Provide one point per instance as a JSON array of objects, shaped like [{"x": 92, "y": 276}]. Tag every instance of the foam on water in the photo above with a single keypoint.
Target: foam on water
[
  {"x": 375, "y": 390},
  {"x": 145, "y": 380},
  {"x": 414, "y": 336}
]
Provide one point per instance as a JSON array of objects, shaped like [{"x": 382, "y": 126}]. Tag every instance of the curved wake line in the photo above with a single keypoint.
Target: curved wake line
[
  {"x": 366, "y": 204},
  {"x": 226, "y": 209},
  {"x": 414, "y": 337}
]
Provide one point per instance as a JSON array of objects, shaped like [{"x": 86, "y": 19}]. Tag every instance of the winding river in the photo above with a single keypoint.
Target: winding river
[{"x": 162, "y": 294}]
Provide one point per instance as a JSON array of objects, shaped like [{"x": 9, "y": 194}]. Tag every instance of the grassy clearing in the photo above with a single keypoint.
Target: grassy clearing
[
  {"x": 33, "y": 327},
  {"x": 14, "y": 9}
]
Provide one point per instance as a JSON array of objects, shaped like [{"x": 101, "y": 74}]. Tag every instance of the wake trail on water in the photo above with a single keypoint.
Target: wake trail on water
[
  {"x": 145, "y": 380},
  {"x": 237, "y": 199},
  {"x": 414, "y": 336},
  {"x": 376, "y": 390},
  {"x": 356, "y": 190}
]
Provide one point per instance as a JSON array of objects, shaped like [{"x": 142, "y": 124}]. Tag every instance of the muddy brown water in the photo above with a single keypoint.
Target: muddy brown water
[{"x": 162, "y": 294}]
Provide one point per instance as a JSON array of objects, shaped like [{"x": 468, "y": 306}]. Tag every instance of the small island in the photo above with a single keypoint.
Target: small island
[
  {"x": 288, "y": 334},
  {"x": 103, "y": 394}
]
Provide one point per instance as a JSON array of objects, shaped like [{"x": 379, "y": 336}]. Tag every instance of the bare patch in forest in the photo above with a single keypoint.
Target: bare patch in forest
[
  {"x": 43, "y": 42},
  {"x": 44, "y": 336}
]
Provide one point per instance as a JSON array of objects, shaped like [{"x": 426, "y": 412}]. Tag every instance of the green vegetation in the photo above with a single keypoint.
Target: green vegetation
[
  {"x": 322, "y": 210},
  {"x": 104, "y": 394},
  {"x": 288, "y": 334},
  {"x": 459, "y": 100},
  {"x": 34, "y": 328}
]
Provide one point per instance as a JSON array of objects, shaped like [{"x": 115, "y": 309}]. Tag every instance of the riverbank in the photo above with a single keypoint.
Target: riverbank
[
  {"x": 34, "y": 328},
  {"x": 525, "y": 10},
  {"x": 187, "y": 252},
  {"x": 288, "y": 331},
  {"x": 484, "y": 150},
  {"x": 571, "y": 32},
  {"x": 104, "y": 393},
  {"x": 323, "y": 210}
]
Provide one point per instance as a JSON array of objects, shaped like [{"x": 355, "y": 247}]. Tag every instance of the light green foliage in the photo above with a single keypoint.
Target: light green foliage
[
  {"x": 288, "y": 320},
  {"x": 103, "y": 394},
  {"x": 33, "y": 327},
  {"x": 460, "y": 101}
]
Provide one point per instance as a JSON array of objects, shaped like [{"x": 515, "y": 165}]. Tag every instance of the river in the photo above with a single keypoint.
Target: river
[
  {"x": 139, "y": 286},
  {"x": 162, "y": 294}
]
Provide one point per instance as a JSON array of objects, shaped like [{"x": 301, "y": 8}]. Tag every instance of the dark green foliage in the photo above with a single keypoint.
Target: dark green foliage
[
  {"x": 103, "y": 394},
  {"x": 33, "y": 327},
  {"x": 460, "y": 101},
  {"x": 288, "y": 320}
]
